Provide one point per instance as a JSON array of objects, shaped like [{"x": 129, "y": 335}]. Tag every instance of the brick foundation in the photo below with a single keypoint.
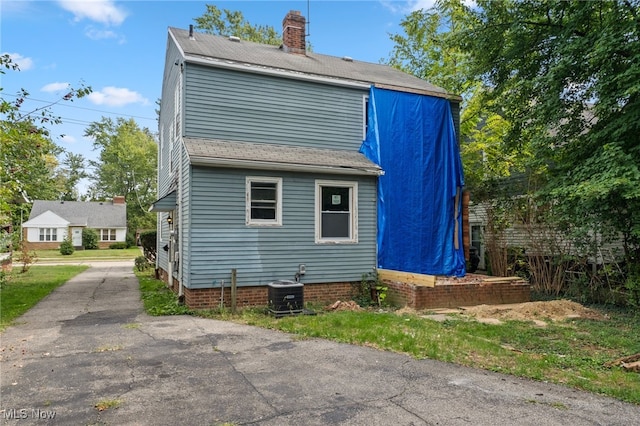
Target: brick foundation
[
  {"x": 55, "y": 245},
  {"x": 443, "y": 295},
  {"x": 456, "y": 295},
  {"x": 208, "y": 298}
]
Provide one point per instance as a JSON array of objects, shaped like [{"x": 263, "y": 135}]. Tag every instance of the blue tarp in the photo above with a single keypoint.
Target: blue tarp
[{"x": 412, "y": 137}]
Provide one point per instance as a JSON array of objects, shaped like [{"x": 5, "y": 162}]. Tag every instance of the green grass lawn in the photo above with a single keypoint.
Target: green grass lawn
[
  {"x": 123, "y": 254},
  {"x": 21, "y": 291},
  {"x": 571, "y": 352}
]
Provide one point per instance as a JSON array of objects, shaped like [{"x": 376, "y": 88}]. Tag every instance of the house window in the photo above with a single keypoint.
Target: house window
[
  {"x": 107, "y": 235},
  {"x": 48, "y": 234},
  {"x": 178, "y": 107},
  {"x": 336, "y": 212},
  {"x": 365, "y": 116},
  {"x": 264, "y": 201}
]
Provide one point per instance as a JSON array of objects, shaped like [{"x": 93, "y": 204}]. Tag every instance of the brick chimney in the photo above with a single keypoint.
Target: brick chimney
[
  {"x": 293, "y": 33},
  {"x": 118, "y": 199}
]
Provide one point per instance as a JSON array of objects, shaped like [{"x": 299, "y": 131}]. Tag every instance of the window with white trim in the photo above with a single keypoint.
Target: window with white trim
[
  {"x": 336, "y": 211},
  {"x": 264, "y": 201},
  {"x": 107, "y": 234},
  {"x": 365, "y": 116},
  {"x": 48, "y": 234},
  {"x": 178, "y": 108}
]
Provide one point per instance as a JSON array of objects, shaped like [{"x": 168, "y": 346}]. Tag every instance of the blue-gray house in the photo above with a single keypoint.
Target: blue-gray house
[{"x": 277, "y": 163}]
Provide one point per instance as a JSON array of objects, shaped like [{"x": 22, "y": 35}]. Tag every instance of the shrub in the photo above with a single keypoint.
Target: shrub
[
  {"x": 142, "y": 264},
  {"x": 118, "y": 246},
  {"x": 89, "y": 239},
  {"x": 131, "y": 240},
  {"x": 148, "y": 242},
  {"x": 66, "y": 248}
]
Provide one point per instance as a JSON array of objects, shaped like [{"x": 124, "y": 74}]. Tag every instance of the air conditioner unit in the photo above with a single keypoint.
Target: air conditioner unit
[{"x": 285, "y": 297}]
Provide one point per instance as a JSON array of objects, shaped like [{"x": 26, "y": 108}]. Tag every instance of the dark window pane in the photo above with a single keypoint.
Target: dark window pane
[
  {"x": 335, "y": 225},
  {"x": 335, "y": 199},
  {"x": 263, "y": 213}
]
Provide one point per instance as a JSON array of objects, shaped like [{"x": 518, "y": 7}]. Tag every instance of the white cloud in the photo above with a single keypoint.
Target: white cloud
[
  {"x": 116, "y": 96},
  {"x": 23, "y": 63},
  {"x": 103, "y": 11},
  {"x": 97, "y": 34},
  {"x": 55, "y": 87},
  {"x": 69, "y": 140},
  {"x": 406, "y": 7}
]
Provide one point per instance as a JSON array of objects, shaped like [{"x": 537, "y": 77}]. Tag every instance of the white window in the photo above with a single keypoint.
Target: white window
[
  {"x": 107, "y": 235},
  {"x": 365, "y": 116},
  {"x": 178, "y": 109},
  {"x": 264, "y": 201},
  {"x": 48, "y": 234},
  {"x": 336, "y": 211}
]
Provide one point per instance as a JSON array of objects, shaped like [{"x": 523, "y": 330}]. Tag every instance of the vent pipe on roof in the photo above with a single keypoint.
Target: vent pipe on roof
[{"x": 191, "y": 32}]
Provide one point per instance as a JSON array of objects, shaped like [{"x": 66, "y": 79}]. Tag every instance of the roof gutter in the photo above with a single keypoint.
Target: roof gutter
[
  {"x": 266, "y": 165},
  {"x": 258, "y": 69},
  {"x": 296, "y": 75}
]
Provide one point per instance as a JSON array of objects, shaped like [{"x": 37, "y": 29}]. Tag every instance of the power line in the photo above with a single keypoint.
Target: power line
[{"x": 83, "y": 108}]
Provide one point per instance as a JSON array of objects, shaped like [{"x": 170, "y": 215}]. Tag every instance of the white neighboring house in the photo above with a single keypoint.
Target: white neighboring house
[{"x": 51, "y": 222}]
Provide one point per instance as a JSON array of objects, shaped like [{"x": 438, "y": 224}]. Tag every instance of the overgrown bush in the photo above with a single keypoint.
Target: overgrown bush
[
  {"x": 371, "y": 290},
  {"x": 89, "y": 239},
  {"x": 131, "y": 240},
  {"x": 148, "y": 242},
  {"x": 4, "y": 278},
  {"x": 26, "y": 257},
  {"x": 142, "y": 263},
  {"x": 118, "y": 246},
  {"x": 66, "y": 248}
]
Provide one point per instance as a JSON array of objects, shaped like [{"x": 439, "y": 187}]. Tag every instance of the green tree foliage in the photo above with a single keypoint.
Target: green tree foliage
[
  {"x": 234, "y": 24},
  {"x": 567, "y": 76},
  {"x": 89, "y": 239},
  {"x": 29, "y": 167},
  {"x": 430, "y": 49},
  {"x": 73, "y": 170},
  {"x": 126, "y": 166},
  {"x": 148, "y": 241}
]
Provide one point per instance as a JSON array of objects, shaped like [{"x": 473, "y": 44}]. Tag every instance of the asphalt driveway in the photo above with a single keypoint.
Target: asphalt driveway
[{"x": 89, "y": 346}]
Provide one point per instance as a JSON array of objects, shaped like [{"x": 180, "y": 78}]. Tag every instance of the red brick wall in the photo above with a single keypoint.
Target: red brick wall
[
  {"x": 399, "y": 294},
  {"x": 455, "y": 295},
  {"x": 207, "y": 298},
  {"x": 293, "y": 32}
]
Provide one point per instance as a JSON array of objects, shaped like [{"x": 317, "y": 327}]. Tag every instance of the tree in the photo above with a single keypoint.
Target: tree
[
  {"x": 567, "y": 77},
  {"x": 430, "y": 49},
  {"x": 29, "y": 168},
  {"x": 73, "y": 170},
  {"x": 126, "y": 166},
  {"x": 234, "y": 24}
]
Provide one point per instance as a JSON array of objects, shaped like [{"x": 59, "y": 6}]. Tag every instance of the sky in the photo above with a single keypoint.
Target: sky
[{"x": 118, "y": 48}]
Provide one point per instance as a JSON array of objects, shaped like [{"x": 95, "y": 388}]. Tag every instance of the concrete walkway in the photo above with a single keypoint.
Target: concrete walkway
[{"x": 89, "y": 345}]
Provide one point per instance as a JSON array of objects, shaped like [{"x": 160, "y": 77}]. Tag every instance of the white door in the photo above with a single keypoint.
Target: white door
[{"x": 76, "y": 237}]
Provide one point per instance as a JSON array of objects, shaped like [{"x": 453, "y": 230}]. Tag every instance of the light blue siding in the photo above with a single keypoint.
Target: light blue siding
[
  {"x": 212, "y": 235},
  {"x": 248, "y": 107},
  {"x": 221, "y": 240}
]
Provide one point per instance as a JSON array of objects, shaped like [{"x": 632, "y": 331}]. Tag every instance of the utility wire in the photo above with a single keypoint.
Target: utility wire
[{"x": 78, "y": 107}]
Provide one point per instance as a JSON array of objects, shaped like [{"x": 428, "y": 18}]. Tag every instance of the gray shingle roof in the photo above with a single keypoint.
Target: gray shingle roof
[
  {"x": 220, "y": 51},
  {"x": 213, "y": 152},
  {"x": 92, "y": 214}
]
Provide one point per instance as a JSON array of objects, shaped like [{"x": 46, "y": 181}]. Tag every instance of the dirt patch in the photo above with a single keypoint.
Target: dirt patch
[
  {"x": 554, "y": 310},
  {"x": 344, "y": 306}
]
